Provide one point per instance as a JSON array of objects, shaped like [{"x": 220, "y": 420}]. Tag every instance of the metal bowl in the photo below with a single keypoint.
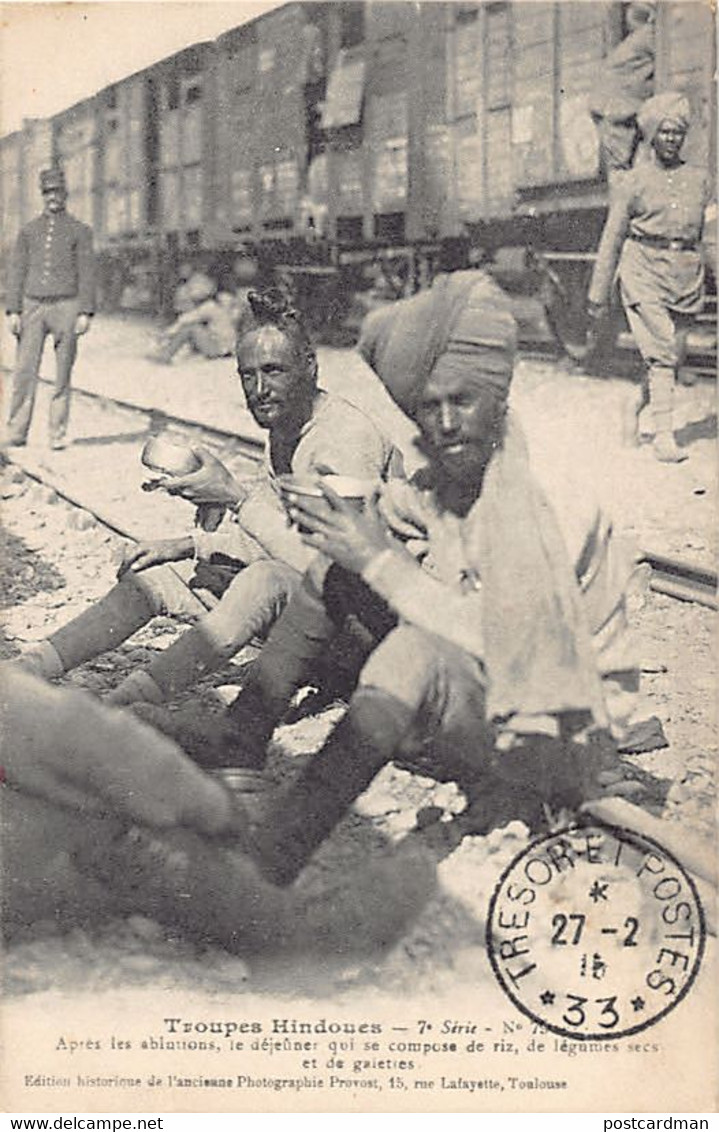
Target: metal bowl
[
  {"x": 354, "y": 491},
  {"x": 351, "y": 488},
  {"x": 163, "y": 455},
  {"x": 300, "y": 485}
]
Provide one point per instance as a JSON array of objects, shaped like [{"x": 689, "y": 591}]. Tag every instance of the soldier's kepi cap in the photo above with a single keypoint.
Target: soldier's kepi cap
[{"x": 52, "y": 179}]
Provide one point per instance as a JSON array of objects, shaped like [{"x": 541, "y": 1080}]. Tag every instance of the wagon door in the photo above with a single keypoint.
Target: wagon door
[
  {"x": 386, "y": 122},
  {"x": 10, "y": 185},
  {"x": 76, "y": 145},
  {"x": 235, "y": 140},
  {"x": 36, "y": 154}
]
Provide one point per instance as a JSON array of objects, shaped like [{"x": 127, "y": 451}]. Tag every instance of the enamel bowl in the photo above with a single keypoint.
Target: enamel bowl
[
  {"x": 163, "y": 455},
  {"x": 355, "y": 491},
  {"x": 351, "y": 488}
]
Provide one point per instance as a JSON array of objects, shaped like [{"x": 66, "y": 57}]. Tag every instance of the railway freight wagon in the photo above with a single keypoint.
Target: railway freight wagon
[
  {"x": 328, "y": 137},
  {"x": 147, "y": 162},
  {"x": 127, "y": 188},
  {"x": 473, "y": 120},
  {"x": 342, "y": 134}
]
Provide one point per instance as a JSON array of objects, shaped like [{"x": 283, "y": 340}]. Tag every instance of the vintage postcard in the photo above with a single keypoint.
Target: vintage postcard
[{"x": 359, "y": 505}]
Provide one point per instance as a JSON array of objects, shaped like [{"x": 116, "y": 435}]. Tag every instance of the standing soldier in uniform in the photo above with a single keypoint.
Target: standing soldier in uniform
[
  {"x": 51, "y": 290},
  {"x": 653, "y": 232}
]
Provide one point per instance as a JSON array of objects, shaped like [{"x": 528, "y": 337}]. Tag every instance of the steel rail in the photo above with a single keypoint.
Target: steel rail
[
  {"x": 675, "y": 577},
  {"x": 100, "y": 516},
  {"x": 249, "y": 447},
  {"x": 253, "y": 445},
  {"x": 681, "y": 579}
]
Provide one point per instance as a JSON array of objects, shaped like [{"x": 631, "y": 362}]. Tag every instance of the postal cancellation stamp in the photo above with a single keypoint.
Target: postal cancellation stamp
[{"x": 595, "y": 932}]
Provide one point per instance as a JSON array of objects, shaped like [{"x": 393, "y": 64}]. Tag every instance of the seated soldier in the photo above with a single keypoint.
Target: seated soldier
[
  {"x": 208, "y": 328},
  {"x": 102, "y": 816},
  {"x": 309, "y": 430},
  {"x": 193, "y": 288},
  {"x": 500, "y": 660}
]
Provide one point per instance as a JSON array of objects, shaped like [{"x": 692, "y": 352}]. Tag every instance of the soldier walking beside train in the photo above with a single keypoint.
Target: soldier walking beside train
[
  {"x": 51, "y": 290},
  {"x": 653, "y": 232}
]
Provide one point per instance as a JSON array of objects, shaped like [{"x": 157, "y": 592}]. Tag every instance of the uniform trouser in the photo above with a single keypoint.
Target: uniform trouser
[
  {"x": 619, "y": 140},
  {"x": 420, "y": 703},
  {"x": 432, "y": 694},
  {"x": 56, "y": 317},
  {"x": 318, "y": 610},
  {"x": 249, "y": 606},
  {"x": 442, "y": 690},
  {"x": 660, "y": 335}
]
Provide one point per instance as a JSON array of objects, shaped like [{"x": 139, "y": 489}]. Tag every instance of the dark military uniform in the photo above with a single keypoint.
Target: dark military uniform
[{"x": 51, "y": 283}]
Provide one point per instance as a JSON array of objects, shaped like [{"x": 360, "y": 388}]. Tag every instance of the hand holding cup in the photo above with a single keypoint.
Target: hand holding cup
[{"x": 338, "y": 516}]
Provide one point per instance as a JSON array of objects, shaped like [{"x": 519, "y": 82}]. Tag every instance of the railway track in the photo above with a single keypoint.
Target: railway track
[
  {"x": 620, "y": 358},
  {"x": 159, "y": 419},
  {"x": 154, "y": 420},
  {"x": 686, "y": 581},
  {"x": 676, "y": 577}
]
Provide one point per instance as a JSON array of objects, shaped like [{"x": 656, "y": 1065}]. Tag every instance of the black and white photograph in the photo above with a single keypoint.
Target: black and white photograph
[{"x": 358, "y": 646}]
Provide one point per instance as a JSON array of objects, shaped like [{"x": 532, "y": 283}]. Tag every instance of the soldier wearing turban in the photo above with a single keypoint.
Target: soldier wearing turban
[
  {"x": 485, "y": 615},
  {"x": 670, "y": 106},
  {"x": 652, "y": 241}
]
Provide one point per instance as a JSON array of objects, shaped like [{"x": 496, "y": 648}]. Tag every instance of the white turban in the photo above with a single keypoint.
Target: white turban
[{"x": 671, "y": 106}]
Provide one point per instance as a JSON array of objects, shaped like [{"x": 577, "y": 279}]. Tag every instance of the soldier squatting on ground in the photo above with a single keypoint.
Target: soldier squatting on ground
[
  {"x": 495, "y": 630},
  {"x": 310, "y": 432},
  {"x": 488, "y": 617}
]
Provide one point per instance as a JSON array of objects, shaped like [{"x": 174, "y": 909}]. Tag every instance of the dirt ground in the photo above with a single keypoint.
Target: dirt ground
[{"x": 58, "y": 560}]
